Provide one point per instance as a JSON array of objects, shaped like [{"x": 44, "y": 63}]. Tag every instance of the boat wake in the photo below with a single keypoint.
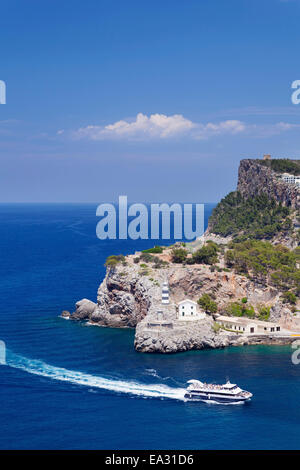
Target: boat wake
[
  {"x": 213, "y": 402},
  {"x": 43, "y": 369}
]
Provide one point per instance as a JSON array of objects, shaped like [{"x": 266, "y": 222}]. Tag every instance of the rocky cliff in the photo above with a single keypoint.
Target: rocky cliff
[
  {"x": 126, "y": 298},
  {"x": 255, "y": 179},
  {"x": 130, "y": 294}
]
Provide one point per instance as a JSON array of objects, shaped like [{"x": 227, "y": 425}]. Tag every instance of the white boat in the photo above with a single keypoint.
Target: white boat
[{"x": 226, "y": 393}]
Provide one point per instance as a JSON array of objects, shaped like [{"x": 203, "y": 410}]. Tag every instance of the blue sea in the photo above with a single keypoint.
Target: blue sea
[{"x": 67, "y": 385}]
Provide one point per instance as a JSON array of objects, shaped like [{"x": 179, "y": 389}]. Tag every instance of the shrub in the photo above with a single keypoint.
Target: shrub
[
  {"x": 207, "y": 254},
  {"x": 178, "y": 255},
  {"x": 207, "y": 304},
  {"x": 155, "y": 249},
  {"x": 159, "y": 263},
  {"x": 113, "y": 260},
  {"x": 216, "y": 327},
  {"x": 239, "y": 309},
  {"x": 289, "y": 297},
  {"x": 147, "y": 258},
  {"x": 264, "y": 312}
]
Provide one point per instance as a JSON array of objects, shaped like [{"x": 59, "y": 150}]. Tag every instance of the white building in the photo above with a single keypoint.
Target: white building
[
  {"x": 291, "y": 179},
  {"x": 187, "y": 311},
  {"x": 247, "y": 325},
  {"x": 165, "y": 293}
]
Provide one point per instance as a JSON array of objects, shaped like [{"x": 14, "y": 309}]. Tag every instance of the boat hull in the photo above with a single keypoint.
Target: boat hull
[{"x": 215, "y": 399}]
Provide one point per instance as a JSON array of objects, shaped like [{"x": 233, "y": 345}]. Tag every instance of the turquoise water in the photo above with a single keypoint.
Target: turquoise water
[{"x": 71, "y": 386}]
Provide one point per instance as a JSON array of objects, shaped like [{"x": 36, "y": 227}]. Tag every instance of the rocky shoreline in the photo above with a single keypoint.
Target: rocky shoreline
[
  {"x": 130, "y": 294},
  {"x": 128, "y": 300}
]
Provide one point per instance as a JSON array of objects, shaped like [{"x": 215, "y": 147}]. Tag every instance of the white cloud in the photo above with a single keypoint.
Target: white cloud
[
  {"x": 223, "y": 127},
  {"x": 143, "y": 127},
  {"x": 160, "y": 126}
]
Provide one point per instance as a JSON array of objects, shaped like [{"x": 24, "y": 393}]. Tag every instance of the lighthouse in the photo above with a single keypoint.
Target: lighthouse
[{"x": 165, "y": 293}]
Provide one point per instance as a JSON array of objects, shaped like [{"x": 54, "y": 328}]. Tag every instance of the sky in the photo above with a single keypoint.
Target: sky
[{"x": 155, "y": 100}]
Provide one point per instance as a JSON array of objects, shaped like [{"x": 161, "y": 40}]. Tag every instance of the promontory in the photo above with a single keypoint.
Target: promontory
[{"x": 237, "y": 284}]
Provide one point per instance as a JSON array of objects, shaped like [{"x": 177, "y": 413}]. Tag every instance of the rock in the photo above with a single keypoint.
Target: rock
[
  {"x": 65, "y": 314},
  {"x": 84, "y": 309},
  {"x": 255, "y": 179}
]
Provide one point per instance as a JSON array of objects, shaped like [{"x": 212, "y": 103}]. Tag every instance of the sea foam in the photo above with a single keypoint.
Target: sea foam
[{"x": 37, "y": 367}]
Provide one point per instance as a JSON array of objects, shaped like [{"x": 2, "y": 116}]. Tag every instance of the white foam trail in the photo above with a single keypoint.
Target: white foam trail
[
  {"x": 154, "y": 373},
  {"x": 43, "y": 369},
  {"x": 213, "y": 402}
]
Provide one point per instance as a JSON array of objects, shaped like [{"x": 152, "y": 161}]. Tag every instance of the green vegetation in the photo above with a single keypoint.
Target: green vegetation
[
  {"x": 148, "y": 258},
  {"x": 289, "y": 297},
  {"x": 144, "y": 272},
  {"x": 178, "y": 255},
  {"x": 208, "y": 304},
  {"x": 113, "y": 260},
  {"x": 264, "y": 312},
  {"x": 258, "y": 217},
  {"x": 155, "y": 249},
  {"x": 159, "y": 263},
  {"x": 216, "y": 327},
  {"x": 282, "y": 165},
  {"x": 238, "y": 309},
  {"x": 265, "y": 262},
  {"x": 207, "y": 254}
]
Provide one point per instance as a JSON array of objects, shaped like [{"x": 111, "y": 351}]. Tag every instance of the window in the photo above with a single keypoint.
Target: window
[{"x": 278, "y": 328}]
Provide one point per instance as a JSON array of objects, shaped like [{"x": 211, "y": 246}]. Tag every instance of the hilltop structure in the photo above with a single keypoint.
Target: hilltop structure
[{"x": 291, "y": 179}]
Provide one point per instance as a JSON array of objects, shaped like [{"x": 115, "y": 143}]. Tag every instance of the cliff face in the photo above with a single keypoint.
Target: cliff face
[
  {"x": 255, "y": 179},
  {"x": 125, "y": 297},
  {"x": 128, "y": 297}
]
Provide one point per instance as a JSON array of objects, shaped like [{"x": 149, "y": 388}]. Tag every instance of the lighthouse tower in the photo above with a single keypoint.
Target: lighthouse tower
[{"x": 165, "y": 293}]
